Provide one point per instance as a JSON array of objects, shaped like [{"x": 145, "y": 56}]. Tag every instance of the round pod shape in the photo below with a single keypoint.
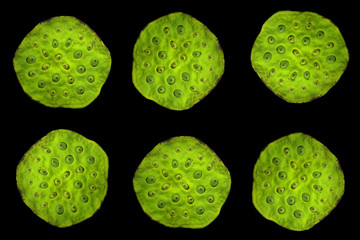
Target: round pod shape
[
  {"x": 297, "y": 182},
  {"x": 182, "y": 183},
  {"x": 299, "y": 56},
  {"x": 177, "y": 61},
  {"x": 62, "y": 63},
  {"x": 63, "y": 178}
]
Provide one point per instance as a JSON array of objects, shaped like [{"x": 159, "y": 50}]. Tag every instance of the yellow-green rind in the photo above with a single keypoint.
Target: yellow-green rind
[
  {"x": 312, "y": 71},
  {"x": 310, "y": 169},
  {"x": 60, "y": 76},
  {"x": 45, "y": 183},
  {"x": 191, "y": 156},
  {"x": 194, "y": 51}
]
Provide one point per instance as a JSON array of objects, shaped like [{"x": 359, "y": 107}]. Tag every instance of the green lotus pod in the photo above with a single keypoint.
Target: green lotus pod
[
  {"x": 182, "y": 183},
  {"x": 297, "y": 182},
  {"x": 299, "y": 56},
  {"x": 62, "y": 63},
  {"x": 177, "y": 61},
  {"x": 63, "y": 178}
]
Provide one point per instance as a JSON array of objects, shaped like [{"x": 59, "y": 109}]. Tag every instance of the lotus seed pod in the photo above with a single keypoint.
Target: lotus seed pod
[
  {"x": 62, "y": 63},
  {"x": 63, "y": 178},
  {"x": 297, "y": 182},
  {"x": 177, "y": 61},
  {"x": 299, "y": 56},
  {"x": 182, "y": 183}
]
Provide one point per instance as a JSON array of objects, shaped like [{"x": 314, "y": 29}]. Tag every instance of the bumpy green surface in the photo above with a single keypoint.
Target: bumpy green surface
[
  {"x": 63, "y": 178},
  {"x": 62, "y": 63},
  {"x": 177, "y": 61},
  {"x": 297, "y": 182},
  {"x": 299, "y": 55},
  {"x": 182, "y": 183}
]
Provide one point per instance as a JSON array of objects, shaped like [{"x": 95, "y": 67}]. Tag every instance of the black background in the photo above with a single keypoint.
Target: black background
[{"x": 237, "y": 119}]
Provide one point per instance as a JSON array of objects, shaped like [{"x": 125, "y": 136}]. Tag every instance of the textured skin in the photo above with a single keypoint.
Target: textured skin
[
  {"x": 62, "y": 63},
  {"x": 299, "y": 55},
  {"x": 177, "y": 61},
  {"x": 182, "y": 183},
  {"x": 63, "y": 190},
  {"x": 297, "y": 182}
]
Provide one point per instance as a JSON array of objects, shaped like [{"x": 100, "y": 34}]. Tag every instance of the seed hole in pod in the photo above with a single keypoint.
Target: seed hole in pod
[
  {"x": 293, "y": 76},
  {"x": 45, "y": 66},
  {"x": 70, "y": 80},
  {"x": 36, "y": 195},
  {"x": 280, "y": 190},
  {"x": 271, "y": 39},
  {"x": 69, "y": 159},
  {"x": 161, "y": 204},
  {"x": 166, "y": 30},
  {"x": 162, "y": 55},
  {"x": 331, "y": 59},
  {"x": 147, "y": 52},
  {"x": 90, "y": 47},
  {"x": 308, "y": 25},
  {"x": 164, "y": 173},
  {"x": 155, "y": 40},
  {"x": 90, "y": 160},
  {"x": 188, "y": 163},
  {"x": 287, "y": 151},
  {"x": 293, "y": 165},
  {"x": 178, "y": 177},
  {"x": 150, "y": 179},
  {"x": 57, "y": 181},
  {"x": 291, "y": 38},
  {"x": 160, "y": 69},
  {"x": 210, "y": 199},
  {"x": 282, "y": 175},
  {"x": 66, "y": 93},
  {"x": 45, "y": 53},
  {"x": 73, "y": 208},
  {"x": 197, "y": 67},
  {"x": 44, "y": 205},
  {"x": 43, "y": 172},
  {"x": 267, "y": 56},
  {"x": 84, "y": 198},
  {"x": 281, "y": 49},
  {"x": 284, "y": 64},
  {"x": 204, "y": 44},
  {"x": 68, "y": 43},
  {"x": 300, "y": 150},
  {"x": 177, "y": 93},
  {"x": 77, "y": 55},
  {"x": 305, "y": 197},
  {"x": 80, "y": 169},
  {"x": 303, "y": 178},
  {"x": 186, "y": 213},
  {"x": 183, "y": 57},
  {"x": 91, "y": 79},
  {"x": 303, "y": 61},
  {"x": 173, "y": 44},
  {"x": 174, "y": 163},
  {"x": 30, "y": 59},
  {"x": 329, "y": 45},
  {"x": 296, "y": 52},
  {"x": 62, "y": 146},
  {"x": 281, "y": 28},
  {"x": 173, "y": 65},
  {"x": 165, "y": 186},
  {"x": 56, "y": 78},
  {"x": 66, "y": 174},
  {"x": 320, "y": 34},
  {"x": 316, "y": 174},
  {"x": 151, "y": 193},
  {"x": 79, "y": 149},
  {"x": 185, "y": 186},
  {"x": 180, "y": 29},
  {"x": 170, "y": 80},
  {"x": 81, "y": 69},
  {"x": 185, "y": 76},
  {"x": 80, "y": 90},
  {"x": 187, "y": 44},
  {"x": 53, "y": 195},
  {"x": 306, "y": 41},
  {"x": 55, "y": 43},
  {"x": 316, "y": 52},
  {"x": 307, "y": 164},
  {"x": 200, "y": 189},
  {"x": 267, "y": 172},
  {"x": 298, "y": 213},
  {"x": 197, "y": 174},
  {"x": 196, "y": 54},
  {"x": 200, "y": 210},
  {"x": 54, "y": 162},
  {"x": 78, "y": 184},
  {"x": 307, "y": 75},
  {"x": 293, "y": 185},
  {"x": 290, "y": 200},
  {"x": 59, "y": 209},
  {"x": 93, "y": 174},
  {"x": 214, "y": 182},
  {"x": 269, "y": 200},
  {"x": 31, "y": 73},
  {"x": 149, "y": 79},
  {"x": 172, "y": 212},
  {"x": 94, "y": 62},
  {"x": 317, "y": 65},
  {"x": 281, "y": 210},
  {"x": 317, "y": 188},
  {"x": 67, "y": 194},
  {"x": 175, "y": 198},
  {"x": 44, "y": 185}
]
